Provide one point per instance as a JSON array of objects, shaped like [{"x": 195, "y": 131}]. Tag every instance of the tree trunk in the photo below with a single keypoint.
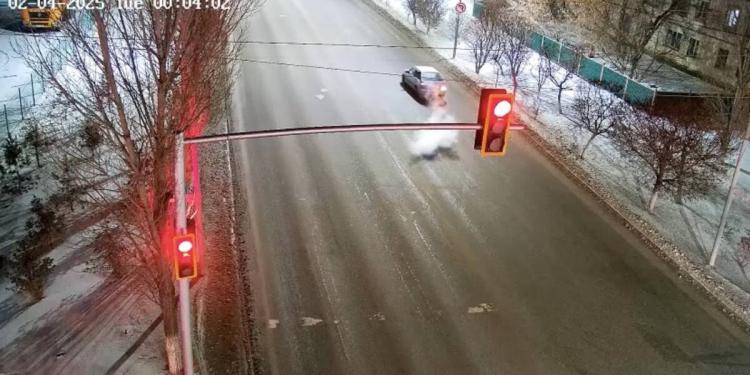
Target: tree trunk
[
  {"x": 538, "y": 101},
  {"x": 414, "y": 18},
  {"x": 633, "y": 68},
  {"x": 515, "y": 84},
  {"x": 36, "y": 154},
  {"x": 652, "y": 202},
  {"x": 36, "y": 144},
  {"x": 169, "y": 314},
  {"x": 586, "y": 146},
  {"x": 559, "y": 100}
]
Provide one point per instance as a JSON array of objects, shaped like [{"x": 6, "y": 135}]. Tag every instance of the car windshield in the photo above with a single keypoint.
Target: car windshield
[{"x": 431, "y": 76}]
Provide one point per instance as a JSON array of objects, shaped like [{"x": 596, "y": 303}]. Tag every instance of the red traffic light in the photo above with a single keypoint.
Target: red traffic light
[
  {"x": 495, "y": 112},
  {"x": 185, "y": 246},
  {"x": 185, "y": 259}
]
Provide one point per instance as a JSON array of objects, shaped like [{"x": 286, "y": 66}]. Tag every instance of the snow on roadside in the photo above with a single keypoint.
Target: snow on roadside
[
  {"x": 64, "y": 288},
  {"x": 14, "y": 72}
]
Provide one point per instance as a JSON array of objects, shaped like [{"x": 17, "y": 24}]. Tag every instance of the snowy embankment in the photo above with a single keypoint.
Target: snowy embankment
[
  {"x": 682, "y": 234},
  {"x": 84, "y": 325},
  {"x": 65, "y": 287}
]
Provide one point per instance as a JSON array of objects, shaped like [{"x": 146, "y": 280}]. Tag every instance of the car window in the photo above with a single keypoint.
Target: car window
[
  {"x": 417, "y": 74},
  {"x": 431, "y": 76}
]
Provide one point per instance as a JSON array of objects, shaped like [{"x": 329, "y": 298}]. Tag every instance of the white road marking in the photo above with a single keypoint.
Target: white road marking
[
  {"x": 481, "y": 308},
  {"x": 324, "y": 90},
  {"x": 308, "y": 321},
  {"x": 272, "y": 323},
  {"x": 377, "y": 316},
  {"x": 320, "y": 96}
]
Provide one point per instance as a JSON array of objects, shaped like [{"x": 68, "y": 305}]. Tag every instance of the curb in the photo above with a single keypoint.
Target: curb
[{"x": 711, "y": 286}]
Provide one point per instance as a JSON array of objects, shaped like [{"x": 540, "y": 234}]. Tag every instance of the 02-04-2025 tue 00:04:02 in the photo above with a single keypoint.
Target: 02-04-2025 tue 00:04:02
[{"x": 121, "y": 4}]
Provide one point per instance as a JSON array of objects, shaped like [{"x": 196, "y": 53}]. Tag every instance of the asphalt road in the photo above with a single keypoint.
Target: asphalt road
[{"x": 370, "y": 261}]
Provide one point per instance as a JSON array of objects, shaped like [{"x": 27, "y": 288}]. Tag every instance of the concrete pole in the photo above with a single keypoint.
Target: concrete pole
[
  {"x": 33, "y": 94},
  {"x": 184, "y": 283},
  {"x": 7, "y": 124},
  {"x": 728, "y": 202},
  {"x": 20, "y": 102},
  {"x": 455, "y": 34}
]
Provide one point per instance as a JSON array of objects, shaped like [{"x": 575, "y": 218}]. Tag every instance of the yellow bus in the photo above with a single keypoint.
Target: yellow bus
[{"x": 43, "y": 14}]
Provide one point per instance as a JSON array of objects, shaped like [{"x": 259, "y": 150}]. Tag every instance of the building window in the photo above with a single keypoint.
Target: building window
[
  {"x": 682, "y": 8},
  {"x": 702, "y": 11},
  {"x": 733, "y": 18},
  {"x": 692, "y": 50},
  {"x": 721, "y": 58},
  {"x": 674, "y": 39}
]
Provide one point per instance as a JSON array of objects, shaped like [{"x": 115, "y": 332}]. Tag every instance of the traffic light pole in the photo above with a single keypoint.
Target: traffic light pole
[
  {"x": 184, "y": 283},
  {"x": 181, "y": 220},
  {"x": 339, "y": 129}
]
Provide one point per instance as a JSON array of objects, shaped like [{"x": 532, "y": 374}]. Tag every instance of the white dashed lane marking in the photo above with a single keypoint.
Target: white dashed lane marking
[
  {"x": 308, "y": 321},
  {"x": 481, "y": 308}
]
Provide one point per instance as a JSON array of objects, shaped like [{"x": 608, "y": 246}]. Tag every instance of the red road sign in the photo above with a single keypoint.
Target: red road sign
[{"x": 460, "y": 7}]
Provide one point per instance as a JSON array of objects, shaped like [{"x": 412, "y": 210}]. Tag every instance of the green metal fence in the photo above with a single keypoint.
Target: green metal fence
[{"x": 631, "y": 91}]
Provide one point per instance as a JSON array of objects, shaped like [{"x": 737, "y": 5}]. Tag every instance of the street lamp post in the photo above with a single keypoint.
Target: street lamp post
[{"x": 730, "y": 197}]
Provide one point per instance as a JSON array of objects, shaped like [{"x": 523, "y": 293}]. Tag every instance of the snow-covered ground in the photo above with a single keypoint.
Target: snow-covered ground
[
  {"x": 691, "y": 227},
  {"x": 63, "y": 288},
  {"x": 85, "y": 323},
  {"x": 15, "y": 78}
]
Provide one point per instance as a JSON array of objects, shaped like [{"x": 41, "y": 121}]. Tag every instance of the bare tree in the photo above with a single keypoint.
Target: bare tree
[
  {"x": 482, "y": 34},
  {"x": 624, "y": 30},
  {"x": 679, "y": 155},
  {"x": 431, "y": 12},
  {"x": 561, "y": 76},
  {"x": 412, "y": 6},
  {"x": 596, "y": 111},
  {"x": 513, "y": 50},
  {"x": 543, "y": 11},
  {"x": 140, "y": 76},
  {"x": 541, "y": 74}
]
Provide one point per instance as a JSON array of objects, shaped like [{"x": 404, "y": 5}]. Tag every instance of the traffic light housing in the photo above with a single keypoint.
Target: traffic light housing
[
  {"x": 495, "y": 113},
  {"x": 185, "y": 257}
]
